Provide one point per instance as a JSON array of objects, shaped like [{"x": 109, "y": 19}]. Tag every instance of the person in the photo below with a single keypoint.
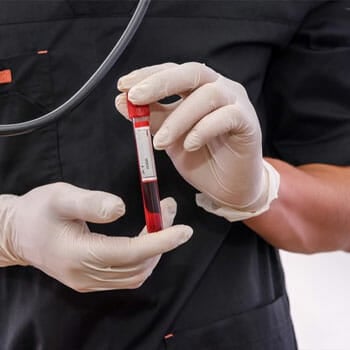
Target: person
[{"x": 264, "y": 113}]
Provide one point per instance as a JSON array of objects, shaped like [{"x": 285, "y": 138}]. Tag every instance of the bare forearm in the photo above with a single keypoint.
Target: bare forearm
[{"x": 312, "y": 212}]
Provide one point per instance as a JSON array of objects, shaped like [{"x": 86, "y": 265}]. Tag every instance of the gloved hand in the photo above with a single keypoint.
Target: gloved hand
[
  {"x": 46, "y": 228},
  {"x": 212, "y": 135}
]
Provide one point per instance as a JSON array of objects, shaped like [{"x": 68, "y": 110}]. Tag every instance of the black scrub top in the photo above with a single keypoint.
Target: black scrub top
[{"x": 225, "y": 288}]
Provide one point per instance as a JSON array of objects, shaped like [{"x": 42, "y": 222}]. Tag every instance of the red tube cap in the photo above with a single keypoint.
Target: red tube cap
[{"x": 136, "y": 111}]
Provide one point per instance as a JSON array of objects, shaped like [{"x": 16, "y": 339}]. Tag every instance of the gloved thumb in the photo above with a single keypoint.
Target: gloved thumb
[
  {"x": 169, "y": 209},
  {"x": 92, "y": 206}
]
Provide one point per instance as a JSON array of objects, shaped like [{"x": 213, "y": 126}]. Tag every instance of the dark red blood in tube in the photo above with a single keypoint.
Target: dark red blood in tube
[{"x": 151, "y": 205}]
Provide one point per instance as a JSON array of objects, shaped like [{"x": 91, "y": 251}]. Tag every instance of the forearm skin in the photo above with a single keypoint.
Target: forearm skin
[{"x": 312, "y": 212}]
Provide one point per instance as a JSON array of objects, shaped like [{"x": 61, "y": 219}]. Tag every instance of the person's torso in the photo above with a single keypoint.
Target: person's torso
[{"x": 222, "y": 290}]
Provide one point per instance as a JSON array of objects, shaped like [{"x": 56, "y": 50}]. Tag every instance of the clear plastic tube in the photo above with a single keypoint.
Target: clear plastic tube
[{"x": 147, "y": 168}]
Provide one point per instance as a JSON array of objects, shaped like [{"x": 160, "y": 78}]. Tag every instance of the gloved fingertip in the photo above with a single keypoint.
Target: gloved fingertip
[
  {"x": 138, "y": 93},
  {"x": 192, "y": 142},
  {"x": 169, "y": 209},
  {"x": 191, "y": 147},
  {"x": 120, "y": 99},
  {"x": 169, "y": 205},
  {"x": 161, "y": 138},
  {"x": 186, "y": 233},
  {"x": 127, "y": 81},
  {"x": 121, "y": 84},
  {"x": 157, "y": 146},
  {"x": 112, "y": 208},
  {"x": 120, "y": 105}
]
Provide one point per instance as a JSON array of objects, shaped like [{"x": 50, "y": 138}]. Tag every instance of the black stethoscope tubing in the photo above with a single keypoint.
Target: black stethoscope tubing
[{"x": 93, "y": 81}]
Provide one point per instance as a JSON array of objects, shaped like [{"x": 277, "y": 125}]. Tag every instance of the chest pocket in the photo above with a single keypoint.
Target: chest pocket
[{"x": 26, "y": 92}]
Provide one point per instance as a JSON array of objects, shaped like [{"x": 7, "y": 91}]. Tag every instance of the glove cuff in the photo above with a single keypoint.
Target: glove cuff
[
  {"x": 8, "y": 256},
  {"x": 269, "y": 193}
]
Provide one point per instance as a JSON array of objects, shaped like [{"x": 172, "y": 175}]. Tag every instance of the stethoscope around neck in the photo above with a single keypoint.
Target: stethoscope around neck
[{"x": 92, "y": 82}]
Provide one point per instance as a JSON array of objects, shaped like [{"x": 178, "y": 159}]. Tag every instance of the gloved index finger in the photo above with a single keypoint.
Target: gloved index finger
[
  {"x": 126, "y": 82},
  {"x": 173, "y": 81}
]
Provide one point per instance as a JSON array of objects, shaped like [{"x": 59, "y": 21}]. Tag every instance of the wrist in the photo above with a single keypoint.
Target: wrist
[
  {"x": 268, "y": 192},
  {"x": 8, "y": 254}
]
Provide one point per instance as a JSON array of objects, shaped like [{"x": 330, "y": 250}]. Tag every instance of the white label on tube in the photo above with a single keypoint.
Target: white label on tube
[{"x": 145, "y": 153}]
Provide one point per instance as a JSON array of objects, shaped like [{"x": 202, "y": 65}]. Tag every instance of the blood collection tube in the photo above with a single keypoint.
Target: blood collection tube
[{"x": 147, "y": 169}]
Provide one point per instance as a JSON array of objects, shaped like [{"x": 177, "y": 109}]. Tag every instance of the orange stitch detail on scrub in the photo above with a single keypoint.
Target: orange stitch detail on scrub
[
  {"x": 5, "y": 76},
  {"x": 170, "y": 335}
]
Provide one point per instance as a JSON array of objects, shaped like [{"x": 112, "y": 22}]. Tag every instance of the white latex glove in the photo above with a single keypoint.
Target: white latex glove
[
  {"x": 46, "y": 228},
  {"x": 212, "y": 135}
]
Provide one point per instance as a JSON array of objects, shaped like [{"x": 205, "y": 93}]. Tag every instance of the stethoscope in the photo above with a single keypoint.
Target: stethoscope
[{"x": 85, "y": 90}]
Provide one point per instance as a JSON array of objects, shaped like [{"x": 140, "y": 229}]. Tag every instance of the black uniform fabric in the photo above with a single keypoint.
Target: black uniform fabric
[{"x": 225, "y": 288}]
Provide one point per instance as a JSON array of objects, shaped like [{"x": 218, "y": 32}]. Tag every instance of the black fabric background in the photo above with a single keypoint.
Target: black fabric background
[{"x": 225, "y": 288}]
